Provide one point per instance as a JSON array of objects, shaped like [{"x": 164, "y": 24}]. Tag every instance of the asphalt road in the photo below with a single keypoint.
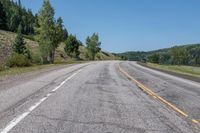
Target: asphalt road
[
  {"x": 185, "y": 94},
  {"x": 96, "y": 98}
]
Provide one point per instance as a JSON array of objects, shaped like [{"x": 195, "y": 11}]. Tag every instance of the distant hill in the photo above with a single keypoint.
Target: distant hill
[
  {"x": 7, "y": 38},
  {"x": 140, "y": 55}
]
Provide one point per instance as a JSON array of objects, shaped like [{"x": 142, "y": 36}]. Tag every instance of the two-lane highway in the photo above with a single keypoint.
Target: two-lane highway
[{"x": 90, "y": 98}]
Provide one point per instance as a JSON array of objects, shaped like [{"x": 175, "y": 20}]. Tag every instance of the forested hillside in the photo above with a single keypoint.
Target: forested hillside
[
  {"x": 13, "y": 14},
  {"x": 178, "y": 55},
  {"x": 27, "y": 38}
]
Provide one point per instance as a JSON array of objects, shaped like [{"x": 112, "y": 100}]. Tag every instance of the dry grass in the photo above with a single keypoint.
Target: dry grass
[{"x": 7, "y": 38}]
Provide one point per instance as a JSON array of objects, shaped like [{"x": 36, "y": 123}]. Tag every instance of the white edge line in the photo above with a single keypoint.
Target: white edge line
[{"x": 20, "y": 117}]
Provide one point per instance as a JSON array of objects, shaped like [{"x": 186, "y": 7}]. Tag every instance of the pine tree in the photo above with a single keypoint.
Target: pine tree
[
  {"x": 12, "y": 14},
  {"x": 19, "y": 3},
  {"x": 72, "y": 46},
  {"x": 58, "y": 34},
  {"x": 3, "y": 19},
  {"x": 65, "y": 32},
  {"x": 57, "y": 37},
  {"x": 19, "y": 44}
]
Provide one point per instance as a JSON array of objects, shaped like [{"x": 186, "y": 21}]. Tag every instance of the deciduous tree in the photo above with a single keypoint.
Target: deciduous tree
[
  {"x": 45, "y": 31},
  {"x": 195, "y": 54},
  {"x": 154, "y": 58},
  {"x": 179, "y": 56},
  {"x": 93, "y": 45}
]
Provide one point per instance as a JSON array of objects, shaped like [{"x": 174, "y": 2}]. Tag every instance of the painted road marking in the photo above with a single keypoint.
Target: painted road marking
[
  {"x": 20, "y": 117},
  {"x": 154, "y": 95}
]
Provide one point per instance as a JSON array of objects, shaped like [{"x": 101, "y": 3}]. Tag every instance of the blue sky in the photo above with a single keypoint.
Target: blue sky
[{"x": 130, "y": 25}]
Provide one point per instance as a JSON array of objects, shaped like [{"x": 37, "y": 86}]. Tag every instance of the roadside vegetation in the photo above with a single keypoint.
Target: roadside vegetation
[
  {"x": 13, "y": 71},
  {"x": 188, "y": 55},
  {"x": 183, "y": 61},
  {"x": 28, "y": 39},
  {"x": 180, "y": 69}
]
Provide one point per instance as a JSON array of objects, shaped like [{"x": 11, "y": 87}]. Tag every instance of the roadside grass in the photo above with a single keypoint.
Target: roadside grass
[
  {"x": 22, "y": 70},
  {"x": 7, "y": 38},
  {"x": 61, "y": 57},
  {"x": 185, "y": 70}
]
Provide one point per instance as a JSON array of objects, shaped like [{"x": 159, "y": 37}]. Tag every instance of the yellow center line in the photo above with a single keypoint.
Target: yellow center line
[{"x": 154, "y": 95}]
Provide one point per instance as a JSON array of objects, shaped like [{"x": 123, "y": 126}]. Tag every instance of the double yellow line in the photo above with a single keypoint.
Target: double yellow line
[{"x": 154, "y": 95}]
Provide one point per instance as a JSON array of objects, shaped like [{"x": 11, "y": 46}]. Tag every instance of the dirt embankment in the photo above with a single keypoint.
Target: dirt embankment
[{"x": 5, "y": 47}]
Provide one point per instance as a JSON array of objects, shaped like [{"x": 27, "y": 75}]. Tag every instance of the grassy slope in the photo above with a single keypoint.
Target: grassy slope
[
  {"x": 7, "y": 38},
  {"x": 62, "y": 56},
  {"x": 185, "y": 70},
  {"x": 19, "y": 70}
]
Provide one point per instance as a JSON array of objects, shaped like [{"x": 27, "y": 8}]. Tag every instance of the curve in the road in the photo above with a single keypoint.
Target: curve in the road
[{"x": 154, "y": 95}]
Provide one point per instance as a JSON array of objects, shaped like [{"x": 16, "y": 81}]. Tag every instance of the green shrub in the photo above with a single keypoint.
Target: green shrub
[
  {"x": 86, "y": 54},
  {"x": 1, "y": 68},
  {"x": 18, "y": 60},
  {"x": 98, "y": 56},
  {"x": 154, "y": 58},
  {"x": 30, "y": 37},
  {"x": 36, "y": 58}
]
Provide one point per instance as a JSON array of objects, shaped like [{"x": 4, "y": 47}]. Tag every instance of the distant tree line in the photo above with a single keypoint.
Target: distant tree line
[
  {"x": 12, "y": 14},
  {"x": 178, "y": 55},
  {"x": 44, "y": 28}
]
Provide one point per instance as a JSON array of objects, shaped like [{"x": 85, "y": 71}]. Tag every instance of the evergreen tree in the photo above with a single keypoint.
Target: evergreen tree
[
  {"x": 19, "y": 3},
  {"x": 19, "y": 44},
  {"x": 57, "y": 37},
  {"x": 3, "y": 19},
  {"x": 65, "y": 32},
  {"x": 72, "y": 46},
  {"x": 16, "y": 14}
]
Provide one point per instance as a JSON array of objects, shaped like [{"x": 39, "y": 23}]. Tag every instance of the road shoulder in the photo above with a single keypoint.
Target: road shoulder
[
  {"x": 13, "y": 80},
  {"x": 195, "y": 79}
]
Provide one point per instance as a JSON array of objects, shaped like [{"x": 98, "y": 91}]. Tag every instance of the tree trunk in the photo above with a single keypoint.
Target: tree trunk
[{"x": 53, "y": 56}]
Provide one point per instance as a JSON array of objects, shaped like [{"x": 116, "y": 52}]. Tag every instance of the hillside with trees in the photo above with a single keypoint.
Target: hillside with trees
[
  {"x": 177, "y": 55},
  {"x": 27, "y": 38},
  {"x": 12, "y": 14}
]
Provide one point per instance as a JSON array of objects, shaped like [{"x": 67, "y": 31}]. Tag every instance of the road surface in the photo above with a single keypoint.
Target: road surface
[
  {"x": 96, "y": 97},
  {"x": 183, "y": 93}
]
